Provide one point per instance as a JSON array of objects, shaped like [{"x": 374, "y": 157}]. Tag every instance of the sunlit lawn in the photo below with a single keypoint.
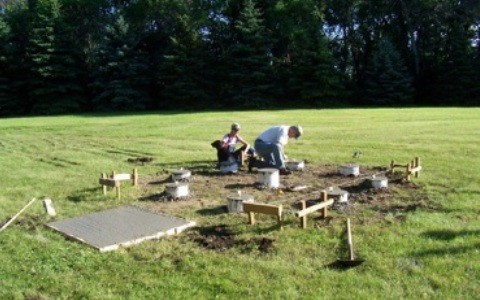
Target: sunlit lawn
[{"x": 428, "y": 253}]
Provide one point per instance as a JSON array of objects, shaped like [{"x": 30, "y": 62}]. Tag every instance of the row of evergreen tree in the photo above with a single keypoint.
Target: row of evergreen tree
[{"x": 64, "y": 56}]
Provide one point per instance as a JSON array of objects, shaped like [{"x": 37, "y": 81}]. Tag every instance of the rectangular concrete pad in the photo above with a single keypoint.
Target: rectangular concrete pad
[{"x": 121, "y": 226}]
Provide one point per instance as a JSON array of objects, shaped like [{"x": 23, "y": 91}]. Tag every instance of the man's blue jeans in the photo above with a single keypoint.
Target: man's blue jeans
[{"x": 271, "y": 153}]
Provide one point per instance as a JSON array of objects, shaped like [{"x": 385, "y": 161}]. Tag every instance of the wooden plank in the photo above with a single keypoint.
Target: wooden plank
[
  {"x": 313, "y": 208},
  {"x": 262, "y": 208},
  {"x": 122, "y": 177},
  {"x": 416, "y": 170},
  {"x": 109, "y": 182}
]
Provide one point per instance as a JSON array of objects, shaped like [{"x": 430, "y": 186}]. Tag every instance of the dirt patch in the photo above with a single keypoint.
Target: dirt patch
[
  {"x": 29, "y": 222},
  {"x": 221, "y": 238},
  {"x": 218, "y": 238},
  {"x": 209, "y": 189}
]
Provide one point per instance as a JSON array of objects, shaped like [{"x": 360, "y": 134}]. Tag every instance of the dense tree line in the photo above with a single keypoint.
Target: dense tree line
[{"x": 63, "y": 56}]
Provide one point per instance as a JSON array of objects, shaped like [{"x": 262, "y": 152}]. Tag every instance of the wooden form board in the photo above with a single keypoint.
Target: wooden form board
[
  {"x": 412, "y": 168},
  {"x": 252, "y": 208},
  {"x": 114, "y": 181},
  {"x": 302, "y": 214},
  {"x": 313, "y": 208},
  {"x": 121, "y": 226}
]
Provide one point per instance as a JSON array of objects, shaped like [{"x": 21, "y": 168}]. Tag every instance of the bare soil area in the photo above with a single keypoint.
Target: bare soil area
[{"x": 209, "y": 189}]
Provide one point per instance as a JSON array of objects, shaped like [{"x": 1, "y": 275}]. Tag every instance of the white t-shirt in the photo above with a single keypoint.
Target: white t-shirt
[
  {"x": 230, "y": 140},
  {"x": 276, "y": 134}
]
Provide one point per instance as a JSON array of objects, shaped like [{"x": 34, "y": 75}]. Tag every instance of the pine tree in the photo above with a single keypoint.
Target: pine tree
[
  {"x": 459, "y": 75},
  {"x": 56, "y": 86},
  {"x": 187, "y": 68},
  {"x": 184, "y": 76},
  {"x": 4, "y": 86},
  {"x": 121, "y": 81},
  {"x": 249, "y": 61},
  {"x": 314, "y": 80},
  {"x": 41, "y": 50},
  {"x": 16, "y": 59},
  {"x": 388, "y": 81}
]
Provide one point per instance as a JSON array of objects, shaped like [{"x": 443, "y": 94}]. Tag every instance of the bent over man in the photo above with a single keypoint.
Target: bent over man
[{"x": 270, "y": 145}]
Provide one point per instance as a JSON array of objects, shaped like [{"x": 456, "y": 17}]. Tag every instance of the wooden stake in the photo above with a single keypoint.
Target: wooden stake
[
  {"x": 303, "y": 220},
  {"x": 417, "y": 164},
  {"x": 324, "y": 197},
  {"x": 251, "y": 218},
  {"x": 409, "y": 171},
  {"x": 135, "y": 177},
  {"x": 16, "y": 216},
  {"x": 279, "y": 217},
  {"x": 104, "y": 187}
]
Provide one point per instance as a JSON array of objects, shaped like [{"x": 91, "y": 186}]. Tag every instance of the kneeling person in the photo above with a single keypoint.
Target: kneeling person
[
  {"x": 270, "y": 145},
  {"x": 226, "y": 146}
]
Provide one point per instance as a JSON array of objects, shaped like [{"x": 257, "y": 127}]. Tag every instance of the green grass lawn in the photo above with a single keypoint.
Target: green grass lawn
[{"x": 428, "y": 253}]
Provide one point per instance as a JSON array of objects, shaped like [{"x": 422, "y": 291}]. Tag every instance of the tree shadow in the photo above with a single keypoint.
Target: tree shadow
[
  {"x": 450, "y": 250},
  {"x": 85, "y": 194},
  {"x": 447, "y": 235}
]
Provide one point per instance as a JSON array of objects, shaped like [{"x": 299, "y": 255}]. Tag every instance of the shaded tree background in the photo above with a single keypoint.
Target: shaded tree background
[{"x": 64, "y": 56}]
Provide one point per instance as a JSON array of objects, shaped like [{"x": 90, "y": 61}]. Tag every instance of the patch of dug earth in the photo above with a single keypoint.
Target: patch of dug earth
[
  {"x": 220, "y": 238},
  {"x": 28, "y": 222},
  {"x": 209, "y": 190}
]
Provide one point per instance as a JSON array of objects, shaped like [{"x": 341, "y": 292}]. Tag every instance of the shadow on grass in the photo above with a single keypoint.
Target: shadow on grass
[
  {"x": 447, "y": 235},
  {"x": 236, "y": 186},
  {"x": 261, "y": 229},
  {"x": 344, "y": 264},
  {"x": 213, "y": 211},
  {"x": 159, "y": 182},
  {"x": 448, "y": 251},
  {"x": 87, "y": 194},
  {"x": 201, "y": 167},
  {"x": 192, "y": 165}
]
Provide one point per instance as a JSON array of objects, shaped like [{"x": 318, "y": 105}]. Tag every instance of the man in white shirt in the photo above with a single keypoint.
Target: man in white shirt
[{"x": 270, "y": 145}]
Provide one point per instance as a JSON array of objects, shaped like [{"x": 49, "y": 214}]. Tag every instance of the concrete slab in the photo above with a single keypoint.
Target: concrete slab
[{"x": 121, "y": 226}]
